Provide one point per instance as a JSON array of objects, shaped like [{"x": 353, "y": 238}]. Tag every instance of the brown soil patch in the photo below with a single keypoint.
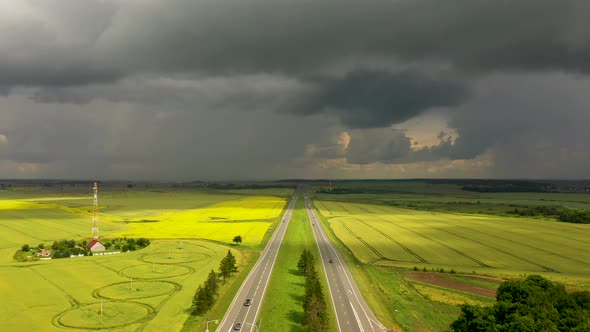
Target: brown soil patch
[{"x": 438, "y": 279}]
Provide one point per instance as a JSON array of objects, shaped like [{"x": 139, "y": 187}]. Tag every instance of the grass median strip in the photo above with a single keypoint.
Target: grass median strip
[{"x": 282, "y": 308}]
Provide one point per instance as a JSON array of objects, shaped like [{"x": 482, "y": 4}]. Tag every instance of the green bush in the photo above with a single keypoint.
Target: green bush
[{"x": 533, "y": 304}]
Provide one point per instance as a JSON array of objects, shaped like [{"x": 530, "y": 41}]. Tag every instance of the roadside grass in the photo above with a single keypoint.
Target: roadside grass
[
  {"x": 228, "y": 291},
  {"x": 393, "y": 300},
  {"x": 226, "y": 295},
  {"x": 282, "y": 304}
]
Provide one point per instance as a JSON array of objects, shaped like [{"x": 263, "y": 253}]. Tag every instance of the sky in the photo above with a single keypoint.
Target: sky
[{"x": 269, "y": 89}]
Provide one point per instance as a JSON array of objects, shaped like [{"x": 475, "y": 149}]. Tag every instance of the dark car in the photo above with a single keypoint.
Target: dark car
[
  {"x": 247, "y": 302},
  {"x": 237, "y": 326},
  {"x": 331, "y": 261}
]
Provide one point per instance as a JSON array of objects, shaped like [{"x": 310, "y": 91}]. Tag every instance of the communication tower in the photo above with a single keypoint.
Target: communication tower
[{"x": 94, "y": 213}]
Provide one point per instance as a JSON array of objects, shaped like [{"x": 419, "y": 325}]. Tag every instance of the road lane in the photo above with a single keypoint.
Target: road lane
[
  {"x": 255, "y": 284},
  {"x": 352, "y": 312}
]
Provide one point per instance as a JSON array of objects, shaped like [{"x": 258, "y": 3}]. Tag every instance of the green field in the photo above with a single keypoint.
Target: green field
[
  {"x": 190, "y": 230},
  {"x": 386, "y": 229},
  {"x": 67, "y": 293},
  {"x": 487, "y": 244}
]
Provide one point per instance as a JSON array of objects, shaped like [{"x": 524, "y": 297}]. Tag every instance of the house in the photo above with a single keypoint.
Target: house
[
  {"x": 95, "y": 246},
  {"x": 43, "y": 253}
]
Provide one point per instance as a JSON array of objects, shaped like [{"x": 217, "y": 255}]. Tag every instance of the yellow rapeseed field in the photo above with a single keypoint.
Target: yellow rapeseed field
[{"x": 248, "y": 217}]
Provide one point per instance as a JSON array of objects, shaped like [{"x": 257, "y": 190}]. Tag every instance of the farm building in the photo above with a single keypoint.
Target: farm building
[
  {"x": 95, "y": 246},
  {"x": 43, "y": 253}
]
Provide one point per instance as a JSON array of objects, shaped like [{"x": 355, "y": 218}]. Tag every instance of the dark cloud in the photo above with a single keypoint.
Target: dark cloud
[
  {"x": 154, "y": 88},
  {"x": 365, "y": 99},
  {"x": 487, "y": 36},
  {"x": 298, "y": 37},
  {"x": 120, "y": 38},
  {"x": 50, "y": 43},
  {"x": 536, "y": 125},
  {"x": 57, "y": 76},
  {"x": 392, "y": 146},
  {"x": 124, "y": 140},
  {"x": 539, "y": 132},
  {"x": 377, "y": 145}
]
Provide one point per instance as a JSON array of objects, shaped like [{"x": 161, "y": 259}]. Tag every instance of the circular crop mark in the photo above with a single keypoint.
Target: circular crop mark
[
  {"x": 140, "y": 290},
  {"x": 157, "y": 271},
  {"x": 114, "y": 315},
  {"x": 174, "y": 257}
]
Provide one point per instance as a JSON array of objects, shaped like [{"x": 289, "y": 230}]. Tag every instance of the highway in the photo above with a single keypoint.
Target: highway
[
  {"x": 254, "y": 286},
  {"x": 352, "y": 312}
]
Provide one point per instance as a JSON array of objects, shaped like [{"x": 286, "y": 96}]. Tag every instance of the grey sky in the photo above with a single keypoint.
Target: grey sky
[{"x": 268, "y": 89}]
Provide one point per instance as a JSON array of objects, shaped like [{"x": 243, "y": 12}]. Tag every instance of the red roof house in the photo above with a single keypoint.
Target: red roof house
[{"x": 95, "y": 245}]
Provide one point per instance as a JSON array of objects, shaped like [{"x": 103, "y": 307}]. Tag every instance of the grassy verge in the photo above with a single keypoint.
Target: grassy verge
[
  {"x": 226, "y": 295},
  {"x": 282, "y": 305},
  {"x": 229, "y": 290},
  {"x": 393, "y": 300}
]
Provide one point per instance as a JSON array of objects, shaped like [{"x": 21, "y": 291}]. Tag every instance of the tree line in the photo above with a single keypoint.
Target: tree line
[
  {"x": 206, "y": 293},
  {"x": 66, "y": 248},
  {"x": 533, "y": 304},
  {"x": 561, "y": 213},
  {"x": 314, "y": 302}
]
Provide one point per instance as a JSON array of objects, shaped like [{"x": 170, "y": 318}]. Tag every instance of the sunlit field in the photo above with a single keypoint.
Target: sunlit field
[
  {"x": 67, "y": 293},
  {"x": 42, "y": 217},
  {"x": 191, "y": 232},
  {"x": 391, "y": 236},
  {"x": 384, "y": 243}
]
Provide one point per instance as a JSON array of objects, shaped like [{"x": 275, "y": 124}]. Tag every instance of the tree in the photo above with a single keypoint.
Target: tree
[
  {"x": 237, "y": 239},
  {"x": 306, "y": 262},
  {"x": 533, "y": 304},
  {"x": 314, "y": 301},
  {"x": 142, "y": 242},
  {"x": 211, "y": 284},
  {"x": 228, "y": 266},
  {"x": 302, "y": 263},
  {"x": 25, "y": 247},
  {"x": 312, "y": 317},
  {"x": 201, "y": 301}
]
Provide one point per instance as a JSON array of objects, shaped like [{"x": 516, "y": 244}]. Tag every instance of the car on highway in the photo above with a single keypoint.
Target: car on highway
[
  {"x": 331, "y": 261},
  {"x": 237, "y": 326},
  {"x": 247, "y": 302}
]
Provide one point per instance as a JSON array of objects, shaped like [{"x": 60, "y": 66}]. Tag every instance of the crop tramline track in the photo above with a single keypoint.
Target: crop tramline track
[
  {"x": 373, "y": 249},
  {"x": 539, "y": 231},
  {"x": 546, "y": 268},
  {"x": 352, "y": 312},
  {"x": 255, "y": 285},
  {"x": 458, "y": 252},
  {"x": 401, "y": 245},
  {"x": 549, "y": 269},
  {"x": 496, "y": 248}
]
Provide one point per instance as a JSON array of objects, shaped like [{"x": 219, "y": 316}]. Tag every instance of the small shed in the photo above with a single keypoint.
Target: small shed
[{"x": 95, "y": 246}]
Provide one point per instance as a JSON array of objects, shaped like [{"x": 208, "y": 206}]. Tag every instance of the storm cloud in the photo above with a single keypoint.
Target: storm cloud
[{"x": 109, "y": 87}]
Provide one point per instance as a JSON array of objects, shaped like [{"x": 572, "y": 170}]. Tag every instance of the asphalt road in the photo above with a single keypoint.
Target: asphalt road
[
  {"x": 254, "y": 286},
  {"x": 352, "y": 312}
]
